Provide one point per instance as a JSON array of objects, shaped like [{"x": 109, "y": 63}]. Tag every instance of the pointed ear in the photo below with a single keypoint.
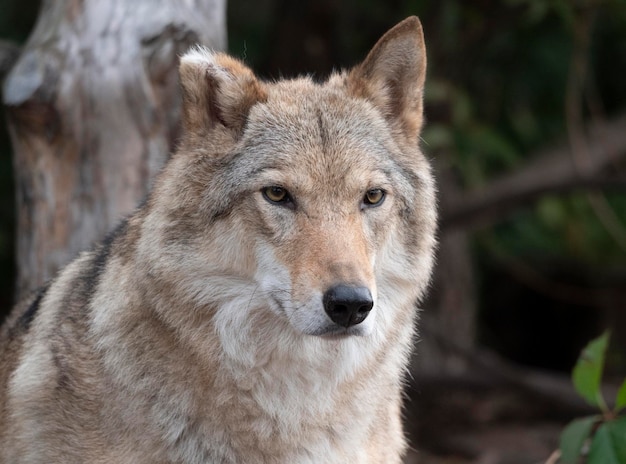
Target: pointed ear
[
  {"x": 392, "y": 76},
  {"x": 217, "y": 91}
]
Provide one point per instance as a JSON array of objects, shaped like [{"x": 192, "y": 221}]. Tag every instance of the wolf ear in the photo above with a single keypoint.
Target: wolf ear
[
  {"x": 217, "y": 90},
  {"x": 392, "y": 76}
]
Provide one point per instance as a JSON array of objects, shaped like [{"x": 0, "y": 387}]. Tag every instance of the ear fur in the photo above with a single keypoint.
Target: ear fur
[
  {"x": 217, "y": 90},
  {"x": 392, "y": 76}
]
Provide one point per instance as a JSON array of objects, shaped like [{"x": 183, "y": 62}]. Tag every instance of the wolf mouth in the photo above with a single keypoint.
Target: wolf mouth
[
  {"x": 328, "y": 330},
  {"x": 338, "y": 332}
]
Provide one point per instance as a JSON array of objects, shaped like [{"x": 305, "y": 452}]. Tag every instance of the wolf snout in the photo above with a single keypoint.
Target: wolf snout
[{"x": 348, "y": 305}]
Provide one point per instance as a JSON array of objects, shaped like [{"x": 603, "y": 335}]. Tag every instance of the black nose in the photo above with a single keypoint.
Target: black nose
[{"x": 348, "y": 306}]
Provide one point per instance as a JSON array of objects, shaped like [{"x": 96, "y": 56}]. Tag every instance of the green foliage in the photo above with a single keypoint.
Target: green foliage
[
  {"x": 573, "y": 438},
  {"x": 587, "y": 374},
  {"x": 609, "y": 443},
  {"x": 620, "y": 403},
  {"x": 599, "y": 439}
]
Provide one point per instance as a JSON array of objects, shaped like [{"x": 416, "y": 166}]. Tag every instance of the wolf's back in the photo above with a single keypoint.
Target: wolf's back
[{"x": 47, "y": 355}]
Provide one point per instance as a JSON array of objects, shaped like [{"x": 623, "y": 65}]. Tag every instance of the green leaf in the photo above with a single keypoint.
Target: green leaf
[
  {"x": 587, "y": 373},
  {"x": 620, "y": 401},
  {"x": 573, "y": 437},
  {"x": 609, "y": 443}
]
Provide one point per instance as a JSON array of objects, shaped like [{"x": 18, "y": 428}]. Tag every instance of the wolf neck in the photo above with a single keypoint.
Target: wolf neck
[
  {"x": 236, "y": 371},
  {"x": 296, "y": 388}
]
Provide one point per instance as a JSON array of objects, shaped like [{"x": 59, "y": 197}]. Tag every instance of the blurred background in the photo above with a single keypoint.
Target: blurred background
[{"x": 526, "y": 125}]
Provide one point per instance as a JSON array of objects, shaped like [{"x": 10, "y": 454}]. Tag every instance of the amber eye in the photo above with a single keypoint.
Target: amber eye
[
  {"x": 374, "y": 197},
  {"x": 275, "y": 194}
]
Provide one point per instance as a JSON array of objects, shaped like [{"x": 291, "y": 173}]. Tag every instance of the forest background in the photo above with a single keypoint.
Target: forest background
[{"x": 526, "y": 125}]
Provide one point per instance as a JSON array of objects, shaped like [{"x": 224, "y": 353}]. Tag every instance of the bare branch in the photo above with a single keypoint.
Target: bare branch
[{"x": 552, "y": 171}]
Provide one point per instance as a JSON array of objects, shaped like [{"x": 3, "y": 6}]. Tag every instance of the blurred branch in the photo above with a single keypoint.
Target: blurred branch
[
  {"x": 576, "y": 84},
  {"x": 491, "y": 368},
  {"x": 608, "y": 217},
  {"x": 554, "y": 457},
  {"x": 532, "y": 278},
  {"x": 552, "y": 171}
]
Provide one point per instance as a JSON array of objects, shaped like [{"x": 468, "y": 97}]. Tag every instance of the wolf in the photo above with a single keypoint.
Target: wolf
[{"x": 260, "y": 306}]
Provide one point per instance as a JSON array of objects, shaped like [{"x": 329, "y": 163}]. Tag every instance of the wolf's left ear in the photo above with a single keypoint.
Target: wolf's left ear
[
  {"x": 218, "y": 91},
  {"x": 392, "y": 76}
]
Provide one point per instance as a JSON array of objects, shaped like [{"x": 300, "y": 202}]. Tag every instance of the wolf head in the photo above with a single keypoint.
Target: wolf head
[{"x": 315, "y": 196}]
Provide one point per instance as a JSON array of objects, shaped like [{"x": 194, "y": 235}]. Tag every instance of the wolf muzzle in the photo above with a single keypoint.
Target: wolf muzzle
[{"x": 346, "y": 305}]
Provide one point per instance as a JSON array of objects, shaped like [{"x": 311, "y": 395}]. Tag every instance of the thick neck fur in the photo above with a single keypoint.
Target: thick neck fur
[{"x": 227, "y": 366}]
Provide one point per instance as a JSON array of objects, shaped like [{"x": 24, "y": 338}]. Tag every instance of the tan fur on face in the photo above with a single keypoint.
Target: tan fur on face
[
  {"x": 217, "y": 89},
  {"x": 197, "y": 332}
]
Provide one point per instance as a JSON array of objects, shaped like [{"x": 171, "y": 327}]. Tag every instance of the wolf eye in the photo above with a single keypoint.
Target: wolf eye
[
  {"x": 275, "y": 194},
  {"x": 374, "y": 197}
]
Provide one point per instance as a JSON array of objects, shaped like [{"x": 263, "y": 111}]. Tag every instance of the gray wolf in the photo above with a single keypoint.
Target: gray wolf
[{"x": 259, "y": 307}]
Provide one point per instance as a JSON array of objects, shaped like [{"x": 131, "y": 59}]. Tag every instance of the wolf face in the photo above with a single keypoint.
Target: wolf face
[
  {"x": 327, "y": 203},
  {"x": 327, "y": 181}
]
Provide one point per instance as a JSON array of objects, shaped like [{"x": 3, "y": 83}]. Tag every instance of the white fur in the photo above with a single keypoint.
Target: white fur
[{"x": 205, "y": 58}]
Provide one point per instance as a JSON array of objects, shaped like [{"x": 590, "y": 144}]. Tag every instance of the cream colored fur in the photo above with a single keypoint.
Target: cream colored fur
[{"x": 198, "y": 331}]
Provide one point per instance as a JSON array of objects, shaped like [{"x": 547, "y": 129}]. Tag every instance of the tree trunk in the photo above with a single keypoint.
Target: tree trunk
[
  {"x": 448, "y": 323},
  {"x": 93, "y": 111}
]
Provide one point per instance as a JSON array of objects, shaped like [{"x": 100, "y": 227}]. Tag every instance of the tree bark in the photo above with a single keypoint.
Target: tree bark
[{"x": 93, "y": 110}]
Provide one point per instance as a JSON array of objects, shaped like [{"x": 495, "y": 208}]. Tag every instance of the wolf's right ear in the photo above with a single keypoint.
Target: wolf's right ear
[
  {"x": 392, "y": 76},
  {"x": 217, "y": 90}
]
